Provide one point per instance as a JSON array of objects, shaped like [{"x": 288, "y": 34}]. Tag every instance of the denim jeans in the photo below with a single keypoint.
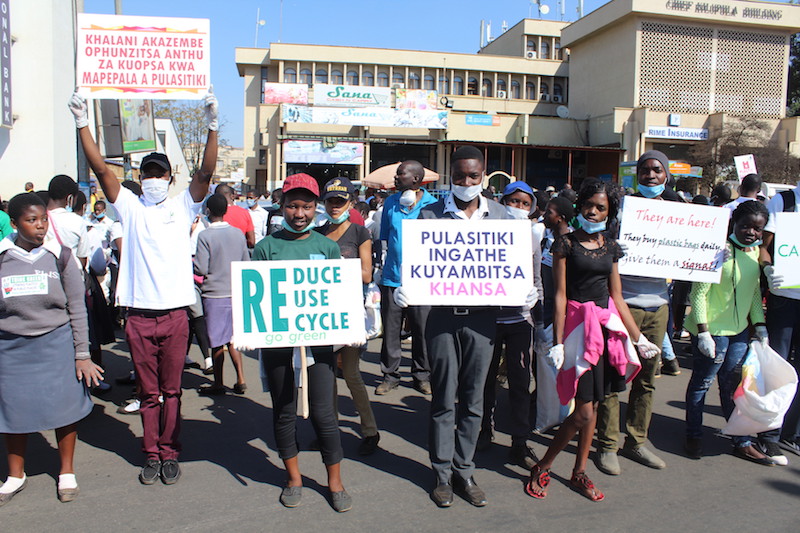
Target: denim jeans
[{"x": 727, "y": 366}]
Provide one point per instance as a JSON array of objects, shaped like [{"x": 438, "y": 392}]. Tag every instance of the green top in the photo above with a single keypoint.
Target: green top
[
  {"x": 279, "y": 246},
  {"x": 5, "y": 225},
  {"x": 726, "y": 306}
]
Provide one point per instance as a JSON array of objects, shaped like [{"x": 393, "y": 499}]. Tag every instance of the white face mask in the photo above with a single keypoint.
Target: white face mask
[
  {"x": 466, "y": 194},
  {"x": 408, "y": 198},
  {"x": 517, "y": 213},
  {"x": 155, "y": 190}
]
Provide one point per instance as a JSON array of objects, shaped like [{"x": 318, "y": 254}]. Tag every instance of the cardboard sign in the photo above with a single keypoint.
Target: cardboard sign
[
  {"x": 786, "y": 256},
  {"x": 467, "y": 262},
  {"x": 279, "y": 304},
  {"x": 142, "y": 57},
  {"x": 745, "y": 164},
  {"x": 673, "y": 240}
]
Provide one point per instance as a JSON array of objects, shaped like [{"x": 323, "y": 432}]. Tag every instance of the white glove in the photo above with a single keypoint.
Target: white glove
[
  {"x": 646, "y": 349},
  {"x": 211, "y": 109},
  {"x": 77, "y": 104},
  {"x": 532, "y": 298},
  {"x": 543, "y": 339},
  {"x": 706, "y": 345},
  {"x": 400, "y": 297},
  {"x": 775, "y": 281},
  {"x": 761, "y": 335},
  {"x": 555, "y": 357}
]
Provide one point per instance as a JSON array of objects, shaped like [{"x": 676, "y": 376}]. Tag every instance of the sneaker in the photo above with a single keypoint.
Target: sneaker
[
  {"x": 101, "y": 388},
  {"x": 386, "y": 386},
  {"x": 607, "y": 462},
  {"x": 485, "y": 439},
  {"x": 693, "y": 447},
  {"x": 644, "y": 456},
  {"x": 670, "y": 367},
  {"x": 423, "y": 386},
  {"x": 522, "y": 455},
  {"x": 151, "y": 471},
  {"x": 369, "y": 444},
  {"x": 341, "y": 501},
  {"x": 790, "y": 446},
  {"x": 291, "y": 496},
  {"x": 129, "y": 407},
  {"x": 170, "y": 472},
  {"x": 239, "y": 388},
  {"x": 773, "y": 451}
]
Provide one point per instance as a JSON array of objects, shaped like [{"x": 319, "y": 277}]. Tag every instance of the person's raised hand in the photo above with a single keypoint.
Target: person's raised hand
[
  {"x": 211, "y": 109},
  {"x": 80, "y": 110}
]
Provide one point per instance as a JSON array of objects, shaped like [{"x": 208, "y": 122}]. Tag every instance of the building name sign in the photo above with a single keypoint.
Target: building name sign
[
  {"x": 723, "y": 10},
  {"x": 5, "y": 66},
  {"x": 689, "y": 134},
  {"x": 351, "y": 96}
]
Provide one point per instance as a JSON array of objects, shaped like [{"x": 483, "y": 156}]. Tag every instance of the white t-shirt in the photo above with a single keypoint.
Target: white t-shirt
[
  {"x": 259, "y": 216},
  {"x": 775, "y": 205},
  {"x": 736, "y": 203},
  {"x": 69, "y": 230},
  {"x": 156, "y": 269}
]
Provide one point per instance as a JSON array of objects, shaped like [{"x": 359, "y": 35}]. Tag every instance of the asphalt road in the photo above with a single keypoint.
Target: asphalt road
[{"x": 232, "y": 476}]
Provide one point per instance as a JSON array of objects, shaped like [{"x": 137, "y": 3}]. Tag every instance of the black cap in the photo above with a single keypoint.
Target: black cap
[
  {"x": 338, "y": 188},
  {"x": 157, "y": 159}
]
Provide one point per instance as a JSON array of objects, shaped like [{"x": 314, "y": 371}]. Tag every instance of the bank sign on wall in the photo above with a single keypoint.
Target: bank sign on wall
[{"x": 351, "y": 96}]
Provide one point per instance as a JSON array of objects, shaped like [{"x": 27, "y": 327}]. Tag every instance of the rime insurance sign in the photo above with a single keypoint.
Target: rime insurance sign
[
  {"x": 143, "y": 57},
  {"x": 466, "y": 262}
]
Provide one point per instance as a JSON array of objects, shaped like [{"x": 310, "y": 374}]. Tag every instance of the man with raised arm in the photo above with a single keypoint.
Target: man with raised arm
[{"x": 155, "y": 283}]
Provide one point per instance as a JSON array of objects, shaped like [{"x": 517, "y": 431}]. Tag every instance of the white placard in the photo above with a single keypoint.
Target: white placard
[
  {"x": 786, "y": 255},
  {"x": 745, "y": 164},
  {"x": 162, "y": 58},
  {"x": 673, "y": 240},
  {"x": 297, "y": 303},
  {"x": 466, "y": 262}
]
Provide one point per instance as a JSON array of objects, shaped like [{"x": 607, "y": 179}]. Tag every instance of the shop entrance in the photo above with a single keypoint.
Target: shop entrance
[
  {"x": 389, "y": 154},
  {"x": 323, "y": 173}
]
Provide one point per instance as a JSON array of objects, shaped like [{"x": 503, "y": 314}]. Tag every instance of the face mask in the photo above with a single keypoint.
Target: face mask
[
  {"x": 290, "y": 229},
  {"x": 251, "y": 202},
  {"x": 408, "y": 198},
  {"x": 101, "y": 216},
  {"x": 344, "y": 216},
  {"x": 466, "y": 194},
  {"x": 517, "y": 213},
  {"x": 155, "y": 190},
  {"x": 651, "y": 192},
  {"x": 591, "y": 227},
  {"x": 735, "y": 241}
]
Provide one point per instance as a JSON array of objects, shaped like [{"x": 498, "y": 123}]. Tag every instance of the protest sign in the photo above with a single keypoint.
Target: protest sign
[
  {"x": 465, "y": 262},
  {"x": 745, "y": 164},
  {"x": 786, "y": 256},
  {"x": 673, "y": 240},
  {"x": 142, "y": 57},
  {"x": 280, "y": 304}
]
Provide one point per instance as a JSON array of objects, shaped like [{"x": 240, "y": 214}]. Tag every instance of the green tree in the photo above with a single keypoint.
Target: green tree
[
  {"x": 793, "y": 89},
  {"x": 189, "y": 120}
]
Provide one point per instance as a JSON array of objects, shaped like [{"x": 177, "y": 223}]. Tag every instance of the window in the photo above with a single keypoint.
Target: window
[
  {"x": 557, "y": 50},
  {"x": 321, "y": 76},
  {"x": 264, "y": 79},
  {"x": 398, "y": 78},
  {"x": 290, "y": 75},
  {"x": 472, "y": 86},
  {"x": 305, "y": 76},
  {"x": 352, "y": 77},
  {"x": 486, "y": 87},
  {"x": 544, "y": 91},
  {"x": 383, "y": 79},
  {"x": 501, "y": 86},
  {"x": 558, "y": 90},
  {"x": 530, "y": 91},
  {"x": 458, "y": 85},
  {"x": 516, "y": 92},
  {"x": 444, "y": 85},
  {"x": 262, "y": 157},
  {"x": 367, "y": 78},
  {"x": 413, "y": 81},
  {"x": 429, "y": 83},
  {"x": 531, "y": 46},
  {"x": 336, "y": 77},
  {"x": 545, "y": 50}
]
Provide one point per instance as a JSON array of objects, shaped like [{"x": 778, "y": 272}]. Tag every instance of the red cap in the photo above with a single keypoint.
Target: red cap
[{"x": 301, "y": 181}]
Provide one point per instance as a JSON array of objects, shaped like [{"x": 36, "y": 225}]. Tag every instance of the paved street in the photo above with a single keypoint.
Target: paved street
[{"x": 232, "y": 476}]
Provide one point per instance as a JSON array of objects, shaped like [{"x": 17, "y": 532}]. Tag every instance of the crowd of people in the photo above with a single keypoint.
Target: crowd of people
[{"x": 160, "y": 265}]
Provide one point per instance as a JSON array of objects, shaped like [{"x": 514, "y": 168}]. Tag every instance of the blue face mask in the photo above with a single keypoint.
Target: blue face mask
[
  {"x": 344, "y": 216},
  {"x": 735, "y": 241},
  {"x": 101, "y": 216},
  {"x": 290, "y": 229},
  {"x": 591, "y": 227},
  {"x": 651, "y": 192}
]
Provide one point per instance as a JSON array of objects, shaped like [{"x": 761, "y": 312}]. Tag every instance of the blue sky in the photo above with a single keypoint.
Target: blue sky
[{"x": 439, "y": 25}]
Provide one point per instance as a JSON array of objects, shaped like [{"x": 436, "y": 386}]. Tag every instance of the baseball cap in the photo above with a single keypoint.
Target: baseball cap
[
  {"x": 338, "y": 188},
  {"x": 157, "y": 159},
  {"x": 515, "y": 186},
  {"x": 301, "y": 181},
  {"x": 550, "y": 188}
]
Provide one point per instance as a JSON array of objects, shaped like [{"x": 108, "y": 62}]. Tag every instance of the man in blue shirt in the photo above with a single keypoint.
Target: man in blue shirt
[{"x": 405, "y": 204}]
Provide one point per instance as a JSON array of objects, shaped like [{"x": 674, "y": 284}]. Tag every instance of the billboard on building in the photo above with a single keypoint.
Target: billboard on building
[
  {"x": 342, "y": 153},
  {"x": 161, "y": 58},
  {"x": 416, "y": 99},
  {"x": 5, "y": 65},
  {"x": 352, "y": 116},
  {"x": 351, "y": 96},
  {"x": 138, "y": 126},
  {"x": 285, "y": 93}
]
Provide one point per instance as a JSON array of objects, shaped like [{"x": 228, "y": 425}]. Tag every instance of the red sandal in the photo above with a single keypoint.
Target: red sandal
[
  {"x": 536, "y": 487},
  {"x": 583, "y": 485}
]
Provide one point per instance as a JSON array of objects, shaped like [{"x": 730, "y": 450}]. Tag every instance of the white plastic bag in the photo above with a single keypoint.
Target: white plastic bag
[
  {"x": 549, "y": 411},
  {"x": 765, "y": 393},
  {"x": 372, "y": 308}
]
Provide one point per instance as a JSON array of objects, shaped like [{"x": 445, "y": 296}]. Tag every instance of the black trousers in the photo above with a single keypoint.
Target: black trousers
[{"x": 391, "y": 351}]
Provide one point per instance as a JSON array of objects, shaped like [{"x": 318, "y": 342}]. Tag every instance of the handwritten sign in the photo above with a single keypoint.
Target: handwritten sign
[
  {"x": 787, "y": 249},
  {"x": 280, "y": 304},
  {"x": 461, "y": 262},
  {"x": 142, "y": 57},
  {"x": 673, "y": 240},
  {"x": 745, "y": 164}
]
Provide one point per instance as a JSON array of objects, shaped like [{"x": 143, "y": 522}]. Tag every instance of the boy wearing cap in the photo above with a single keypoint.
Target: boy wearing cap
[{"x": 155, "y": 283}]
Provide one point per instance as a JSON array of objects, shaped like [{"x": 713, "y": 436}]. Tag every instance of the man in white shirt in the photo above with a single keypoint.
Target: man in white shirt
[
  {"x": 155, "y": 283},
  {"x": 748, "y": 191},
  {"x": 66, "y": 227},
  {"x": 259, "y": 216}
]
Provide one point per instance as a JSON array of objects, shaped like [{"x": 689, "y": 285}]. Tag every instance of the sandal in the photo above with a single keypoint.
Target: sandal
[
  {"x": 536, "y": 487},
  {"x": 583, "y": 485}
]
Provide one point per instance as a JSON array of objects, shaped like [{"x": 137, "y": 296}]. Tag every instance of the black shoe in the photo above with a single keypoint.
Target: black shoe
[
  {"x": 790, "y": 446},
  {"x": 369, "y": 444},
  {"x": 485, "y": 438},
  {"x": 442, "y": 495},
  {"x": 470, "y": 491},
  {"x": 211, "y": 390},
  {"x": 749, "y": 453},
  {"x": 386, "y": 386},
  {"x": 150, "y": 472},
  {"x": 694, "y": 448},
  {"x": 423, "y": 386},
  {"x": 130, "y": 379},
  {"x": 670, "y": 367},
  {"x": 522, "y": 455},
  {"x": 773, "y": 451},
  {"x": 170, "y": 472}
]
